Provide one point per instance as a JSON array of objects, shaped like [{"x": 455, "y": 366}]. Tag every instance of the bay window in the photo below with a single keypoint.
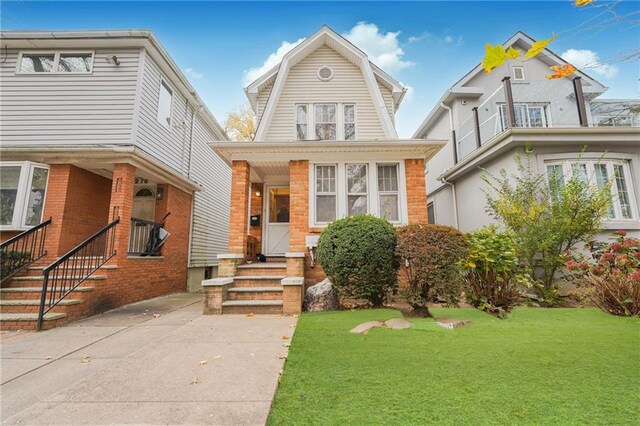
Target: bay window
[
  {"x": 616, "y": 173},
  {"x": 349, "y": 189},
  {"x": 22, "y": 192},
  {"x": 325, "y": 122}
]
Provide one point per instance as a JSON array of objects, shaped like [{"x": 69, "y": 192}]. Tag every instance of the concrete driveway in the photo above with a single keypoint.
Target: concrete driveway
[{"x": 155, "y": 362}]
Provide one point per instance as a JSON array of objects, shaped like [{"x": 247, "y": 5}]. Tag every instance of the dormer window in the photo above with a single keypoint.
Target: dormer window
[
  {"x": 518, "y": 73},
  {"x": 325, "y": 122},
  {"x": 325, "y": 119}
]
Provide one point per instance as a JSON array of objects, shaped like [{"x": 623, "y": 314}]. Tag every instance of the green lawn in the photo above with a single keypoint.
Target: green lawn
[{"x": 539, "y": 366}]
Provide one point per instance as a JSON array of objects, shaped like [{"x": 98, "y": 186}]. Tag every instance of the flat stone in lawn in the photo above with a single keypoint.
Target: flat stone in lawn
[
  {"x": 394, "y": 324},
  {"x": 397, "y": 323},
  {"x": 451, "y": 323},
  {"x": 366, "y": 326}
]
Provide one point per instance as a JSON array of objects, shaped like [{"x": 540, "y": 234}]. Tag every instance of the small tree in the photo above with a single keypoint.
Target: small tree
[
  {"x": 547, "y": 216},
  {"x": 430, "y": 254},
  {"x": 358, "y": 255},
  {"x": 240, "y": 124}
]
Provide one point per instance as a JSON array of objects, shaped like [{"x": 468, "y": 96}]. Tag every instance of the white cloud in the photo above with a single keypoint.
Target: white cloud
[
  {"x": 271, "y": 61},
  {"x": 448, "y": 39},
  {"x": 383, "y": 49},
  {"x": 190, "y": 72},
  {"x": 589, "y": 60},
  {"x": 408, "y": 96},
  {"x": 414, "y": 39}
]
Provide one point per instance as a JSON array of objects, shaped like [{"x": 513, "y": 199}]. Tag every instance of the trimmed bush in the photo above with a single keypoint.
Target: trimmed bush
[
  {"x": 358, "y": 255},
  {"x": 492, "y": 271},
  {"x": 430, "y": 254}
]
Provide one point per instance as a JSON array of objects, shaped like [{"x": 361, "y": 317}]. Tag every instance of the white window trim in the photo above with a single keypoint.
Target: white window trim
[
  {"x": 22, "y": 198},
  {"x": 373, "y": 194},
  {"x": 514, "y": 73},
  {"x": 311, "y": 119},
  {"x": 173, "y": 92},
  {"x": 565, "y": 160},
  {"x": 367, "y": 193},
  {"x": 355, "y": 122},
  {"x": 544, "y": 105},
  {"x": 323, "y": 78},
  {"x": 56, "y": 60}
]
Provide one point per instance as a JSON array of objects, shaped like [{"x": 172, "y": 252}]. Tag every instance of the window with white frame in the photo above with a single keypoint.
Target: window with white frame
[
  {"x": 526, "y": 115},
  {"x": 302, "y": 122},
  {"x": 325, "y": 122},
  {"x": 600, "y": 173},
  {"x": 165, "y": 99},
  {"x": 23, "y": 187},
  {"x": 388, "y": 196},
  {"x": 518, "y": 73},
  {"x": 349, "y": 119},
  {"x": 326, "y": 193},
  {"x": 56, "y": 62},
  {"x": 357, "y": 196}
]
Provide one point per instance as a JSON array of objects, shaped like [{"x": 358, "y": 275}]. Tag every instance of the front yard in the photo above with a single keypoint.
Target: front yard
[{"x": 551, "y": 366}]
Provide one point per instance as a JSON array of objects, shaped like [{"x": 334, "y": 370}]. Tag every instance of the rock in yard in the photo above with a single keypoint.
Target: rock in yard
[
  {"x": 321, "y": 297},
  {"x": 397, "y": 323},
  {"x": 450, "y": 323},
  {"x": 366, "y": 326}
]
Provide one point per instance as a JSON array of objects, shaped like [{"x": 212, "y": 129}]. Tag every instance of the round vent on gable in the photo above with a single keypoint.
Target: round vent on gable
[{"x": 325, "y": 73}]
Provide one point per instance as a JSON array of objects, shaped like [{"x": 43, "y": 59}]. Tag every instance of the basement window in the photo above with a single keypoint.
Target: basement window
[{"x": 23, "y": 187}]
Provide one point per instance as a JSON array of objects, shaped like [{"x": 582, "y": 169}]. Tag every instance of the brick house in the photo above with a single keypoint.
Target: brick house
[
  {"x": 102, "y": 133},
  {"x": 326, "y": 147}
]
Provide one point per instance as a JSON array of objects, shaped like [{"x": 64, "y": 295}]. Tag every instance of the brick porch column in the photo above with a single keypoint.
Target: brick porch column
[
  {"x": 416, "y": 190},
  {"x": 122, "y": 186},
  {"x": 299, "y": 206},
  {"x": 239, "y": 207}
]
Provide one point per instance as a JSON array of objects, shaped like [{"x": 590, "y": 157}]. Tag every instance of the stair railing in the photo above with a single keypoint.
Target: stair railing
[
  {"x": 23, "y": 249},
  {"x": 67, "y": 273}
]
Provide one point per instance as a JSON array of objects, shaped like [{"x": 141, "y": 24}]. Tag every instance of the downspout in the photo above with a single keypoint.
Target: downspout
[{"x": 455, "y": 156}]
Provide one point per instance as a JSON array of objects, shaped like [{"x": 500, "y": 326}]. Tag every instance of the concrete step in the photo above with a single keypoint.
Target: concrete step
[
  {"x": 257, "y": 281},
  {"x": 32, "y": 305},
  {"x": 28, "y": 321},
  {"x": 258, "y": 307},
  {"x": 13, "y": 293},
  {"x": 255, "y": 293},
  {"x": 38, "y": 280},
  {"x": 262, "y": 269},
  {"x": 69, "y": 277}
]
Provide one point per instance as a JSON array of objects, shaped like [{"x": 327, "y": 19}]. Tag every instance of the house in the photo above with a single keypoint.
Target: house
[
  {"x": 488, "y": 118},
  {"x": 325, "y": 148},
  {"x": 103, "y": 134}
]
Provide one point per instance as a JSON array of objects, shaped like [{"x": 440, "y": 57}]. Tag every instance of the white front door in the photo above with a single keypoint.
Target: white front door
[{"x": 276, "y": 220}]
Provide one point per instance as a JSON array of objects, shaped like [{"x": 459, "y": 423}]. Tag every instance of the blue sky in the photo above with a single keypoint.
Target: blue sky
[{"x": 425, "y": 45}]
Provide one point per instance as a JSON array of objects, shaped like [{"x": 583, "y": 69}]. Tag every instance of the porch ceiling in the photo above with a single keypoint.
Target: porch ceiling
[{"x": 269, "y": 170}]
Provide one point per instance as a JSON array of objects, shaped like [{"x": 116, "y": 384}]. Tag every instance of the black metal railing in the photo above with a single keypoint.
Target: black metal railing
[
  {"x": 143, "y": 240},
  {"x": 67, "y": 273},
  {"x": 23, "y": 249}
]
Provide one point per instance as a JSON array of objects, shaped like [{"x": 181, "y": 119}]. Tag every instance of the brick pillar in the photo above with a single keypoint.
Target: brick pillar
[
  {"x": 416, "y": 190},
  {"x": 299, "y": 206},
  {"x": 54, "y": 206},
  {"x": 256, "y": 209},
  {"x": 239, "y": 207},
  {"x": 121, "y": 204}
]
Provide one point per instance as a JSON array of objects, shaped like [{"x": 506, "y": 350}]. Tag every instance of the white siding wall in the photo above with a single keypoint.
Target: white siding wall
[
  {"x": 262, "y": 101},
  {"x": 388, "y": 99},
  {"x": 303, "y": 86},
  {"x": 45, "y": 108}
]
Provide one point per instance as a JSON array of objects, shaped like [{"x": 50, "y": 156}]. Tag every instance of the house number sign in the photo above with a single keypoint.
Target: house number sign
[{"x": 141, "y": 181}]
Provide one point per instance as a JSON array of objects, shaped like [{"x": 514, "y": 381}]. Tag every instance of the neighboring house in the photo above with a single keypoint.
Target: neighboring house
[
  {"x": 96, "y": 126},
  {"x": 489, "y": 118},
  {"x": 326, "y": 147}
]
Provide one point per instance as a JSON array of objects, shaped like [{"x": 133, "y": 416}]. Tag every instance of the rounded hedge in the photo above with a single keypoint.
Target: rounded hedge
[{"x": 358, "y": 255}]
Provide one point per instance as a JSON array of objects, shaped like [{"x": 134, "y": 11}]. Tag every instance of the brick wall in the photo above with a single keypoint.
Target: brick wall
[
  {"x": 416, "y": 190},
  {"x": 239, "y": 206},
  {"x": 299, "y": 206}
]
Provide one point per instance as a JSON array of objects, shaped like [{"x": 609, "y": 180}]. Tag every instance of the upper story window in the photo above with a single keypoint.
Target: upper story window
[
  {"x": 325, "y": 121},
  {"x": 599, "y": 172},
  {"x": 56, "y": 62},
  {"x": 518, "y": 73},
  {"x": 165, "y": 99},
  {"x": 526, "y": 115},
  {"x": 23, "y": 187}
]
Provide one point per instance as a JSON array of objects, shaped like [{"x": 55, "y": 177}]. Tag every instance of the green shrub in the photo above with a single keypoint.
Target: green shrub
[
  {"x": 430, "y": 254},
  {"x": 358, "y": 255},
  {"x": 492, "y": 271}
]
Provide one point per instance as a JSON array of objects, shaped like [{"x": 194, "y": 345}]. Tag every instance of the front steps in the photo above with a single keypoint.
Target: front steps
[{"x": 256, "y": 289}]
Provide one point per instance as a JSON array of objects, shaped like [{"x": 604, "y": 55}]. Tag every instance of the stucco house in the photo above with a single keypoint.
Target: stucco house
[
  {"x": 486, "y": 119},
  {"x": 102, "y": 134},
  {"x": 326, "y": 147}
]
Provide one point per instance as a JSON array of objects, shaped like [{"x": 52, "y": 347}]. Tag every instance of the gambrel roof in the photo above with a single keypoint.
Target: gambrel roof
[{"x": 326, "y": 36}]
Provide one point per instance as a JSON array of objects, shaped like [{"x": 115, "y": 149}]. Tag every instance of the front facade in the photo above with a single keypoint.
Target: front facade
[
  {"x": 98, "y": 126},
  {"x": 325, "y": 148},
  {"x": 489, "y": 118}
]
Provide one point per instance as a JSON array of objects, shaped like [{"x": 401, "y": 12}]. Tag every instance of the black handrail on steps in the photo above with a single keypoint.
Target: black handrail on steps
[
  {"x": 23, "y": 249},
  {"x": 67, "y": 273}
]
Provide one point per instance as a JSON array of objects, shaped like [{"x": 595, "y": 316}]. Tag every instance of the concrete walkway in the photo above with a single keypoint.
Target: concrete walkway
[{"x": 145, "y": 364}]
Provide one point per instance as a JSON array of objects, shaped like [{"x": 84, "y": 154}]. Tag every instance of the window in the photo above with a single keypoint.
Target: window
[
  {"x": 302, "y": 122},
  {"x": 22, "y": 192},
  {"x": 325, "y": 193},
  {"x": 518, "y": 73},
  {"x": 388, "y": 192},
  {"x": 164, "y": 105},
  {"x": 325, "y": 121},
  {"x": 431, "y": 213},
  {"x": 357, "y": 200},
  {"x": 325, "y": 73},
  {"x": 600, "y": 173},
  {"x": 349, "y": 122},
  {"x": 56, "y": 62},
  {"x": 526, "y": 115}
]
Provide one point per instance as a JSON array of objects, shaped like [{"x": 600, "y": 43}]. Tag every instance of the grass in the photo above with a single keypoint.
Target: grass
[{"x": 539, "y": 366}]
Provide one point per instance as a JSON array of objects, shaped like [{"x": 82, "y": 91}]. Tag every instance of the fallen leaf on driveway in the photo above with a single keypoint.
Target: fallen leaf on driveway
[
  {"x": 47, "y": 357},
  {"x": 156, "y": 315},
  {"x": 194, "y": 381},
  {"x": 217, "y": 357},
  {"x": 203, "y": 362},
  {"x": 282, "y": 356},
  {"x": 285, "y": 337},
  {"x": 292, "y": 326},
  {"x": 249, "y": 315},
  {"x": 86, "y": 359},
  {"x": 295, "y": 316}
]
